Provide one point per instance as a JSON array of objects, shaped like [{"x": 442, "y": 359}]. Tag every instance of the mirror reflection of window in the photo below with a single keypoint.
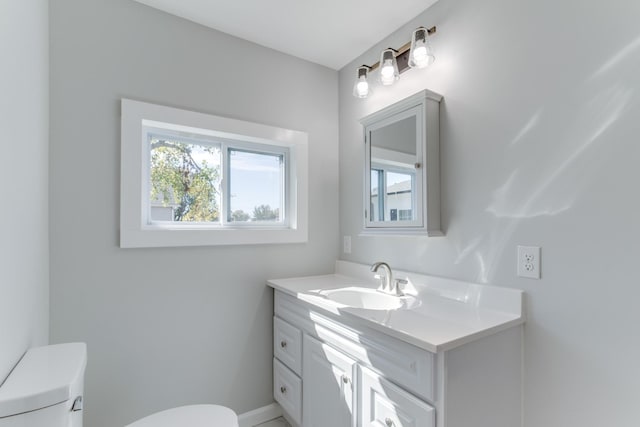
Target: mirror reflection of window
[
  {"x": 393, "y": 156},
  {"x": 375, "y": 203},
  {"x": 399, "y": 196},
  {"x": 396, "y": 202}
]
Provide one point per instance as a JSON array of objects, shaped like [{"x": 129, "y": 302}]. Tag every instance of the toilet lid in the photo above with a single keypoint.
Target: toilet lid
[{"x": 192, "y": 416}]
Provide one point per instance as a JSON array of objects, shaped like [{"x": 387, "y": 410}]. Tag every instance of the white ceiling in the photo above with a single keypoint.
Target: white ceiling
[{"x": 327, "y": 32}]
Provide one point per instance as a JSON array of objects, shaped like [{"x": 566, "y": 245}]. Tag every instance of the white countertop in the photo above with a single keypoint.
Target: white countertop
[{"x": 450, "y": 312}]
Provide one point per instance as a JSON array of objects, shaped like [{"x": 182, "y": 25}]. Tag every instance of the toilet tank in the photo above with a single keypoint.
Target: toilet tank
[{"x": 45, "y": 388}]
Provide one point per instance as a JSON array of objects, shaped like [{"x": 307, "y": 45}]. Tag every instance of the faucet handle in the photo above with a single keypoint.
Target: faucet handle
[{"x": 396, "y": 286}]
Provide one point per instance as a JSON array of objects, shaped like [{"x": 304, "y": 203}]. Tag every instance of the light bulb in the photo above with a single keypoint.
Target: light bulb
[
  {"x": 420, "y": 55},
  {"x": 361, "y": 87},
  {"x": 388, "y": 68}
]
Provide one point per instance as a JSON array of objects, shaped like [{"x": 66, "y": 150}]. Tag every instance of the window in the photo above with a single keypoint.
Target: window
[
  {"x": 184, "y": 178},
  {"x": 185, "y": 181},
  {"x": 193, "y": 179},
  {"x": 256, "y": 190}
]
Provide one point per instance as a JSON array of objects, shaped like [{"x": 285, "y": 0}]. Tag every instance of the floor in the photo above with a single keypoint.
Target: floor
[{"x": 278, "y": 422}]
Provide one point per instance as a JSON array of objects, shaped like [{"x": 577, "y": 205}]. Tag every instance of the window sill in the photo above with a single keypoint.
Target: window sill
[{"x": 157, "y": 237}]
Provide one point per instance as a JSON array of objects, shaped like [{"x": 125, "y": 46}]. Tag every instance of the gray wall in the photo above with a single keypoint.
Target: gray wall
[
  {"x": 24, "y": 231},
  {"x": 539, "y": 147},
  {"x": 167, "y": 327}
]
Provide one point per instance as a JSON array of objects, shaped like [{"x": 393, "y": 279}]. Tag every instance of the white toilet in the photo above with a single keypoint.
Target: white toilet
[
  {"x": 45, "y": 390},
  {"x": 191, "y": 416}
]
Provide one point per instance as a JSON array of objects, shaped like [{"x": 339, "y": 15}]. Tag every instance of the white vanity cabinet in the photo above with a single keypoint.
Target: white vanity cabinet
[
  {"x": 348, "y": 378},
  {"x": 332, "y": 370}
]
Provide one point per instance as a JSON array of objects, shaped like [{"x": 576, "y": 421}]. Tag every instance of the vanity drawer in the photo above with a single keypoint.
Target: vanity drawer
[
  {"x": 287, "y": 391},
  {"x": 382, "y": 404},
  {"x": 287, "y": 344}
]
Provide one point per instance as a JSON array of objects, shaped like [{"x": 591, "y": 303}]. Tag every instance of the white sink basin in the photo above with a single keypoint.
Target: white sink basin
[{"x": 370, "y": 299}]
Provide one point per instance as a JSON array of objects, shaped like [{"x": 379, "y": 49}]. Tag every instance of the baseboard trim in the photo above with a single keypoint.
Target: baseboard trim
[{"x": 260, "y": 415}]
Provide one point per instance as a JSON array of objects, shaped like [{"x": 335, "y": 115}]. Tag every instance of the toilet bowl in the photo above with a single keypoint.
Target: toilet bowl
[
  {"x": 45, "y": 390},
  {"x": 191, "y": 416}
]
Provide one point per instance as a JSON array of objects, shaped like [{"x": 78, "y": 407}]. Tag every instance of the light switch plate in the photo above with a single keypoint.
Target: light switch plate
[{"x": 346, "y": 244}]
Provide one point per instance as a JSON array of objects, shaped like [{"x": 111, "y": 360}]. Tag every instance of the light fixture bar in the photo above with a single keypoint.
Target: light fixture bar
[
  {"x": 402, "y": 50},
  {"x": 416, "y": 53}
]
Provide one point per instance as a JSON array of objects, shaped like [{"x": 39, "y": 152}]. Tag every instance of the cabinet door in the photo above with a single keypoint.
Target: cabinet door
[
  {"x": 328, "y": 378},
  {"x": 383, "y": 404}
]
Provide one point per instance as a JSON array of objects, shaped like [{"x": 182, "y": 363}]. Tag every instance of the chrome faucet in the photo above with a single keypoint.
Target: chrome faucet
[
  {"x": 387, "y": 284},
  {"x": 386, "y": 280}
]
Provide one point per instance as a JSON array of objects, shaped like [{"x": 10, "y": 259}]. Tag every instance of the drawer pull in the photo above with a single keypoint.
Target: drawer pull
[
  {"x": 283, "y": 389},
  {"x": 345, "y": 379},
  {"x": 283, "y": 344},
  {"x": 389, "y": 422}
]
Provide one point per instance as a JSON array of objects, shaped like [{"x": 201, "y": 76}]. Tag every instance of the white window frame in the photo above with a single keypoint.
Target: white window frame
[{"x": 139, "y": 119}]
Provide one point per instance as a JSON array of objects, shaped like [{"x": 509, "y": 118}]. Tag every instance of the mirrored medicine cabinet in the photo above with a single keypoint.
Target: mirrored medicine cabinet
[{"x": 402, "y": 167}]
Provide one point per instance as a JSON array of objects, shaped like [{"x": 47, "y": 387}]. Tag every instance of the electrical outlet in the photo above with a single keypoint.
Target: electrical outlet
[
  {"x": 346, "y": 244},
  {"x": 529, "y": 262}
]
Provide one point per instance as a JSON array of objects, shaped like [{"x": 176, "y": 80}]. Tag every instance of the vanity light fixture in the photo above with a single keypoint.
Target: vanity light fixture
[
  {"x": 414, "y": 54},
  {"x": 362, "y": 89}
]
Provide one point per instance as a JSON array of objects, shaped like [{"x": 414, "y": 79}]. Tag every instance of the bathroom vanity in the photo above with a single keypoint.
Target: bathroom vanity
[{"x": 448, "y": 354}]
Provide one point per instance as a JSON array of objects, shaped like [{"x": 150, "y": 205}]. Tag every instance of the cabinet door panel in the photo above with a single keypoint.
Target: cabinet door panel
[
  {"x": 327, "y": 386},
  {"x": 383, "y": 404}
]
